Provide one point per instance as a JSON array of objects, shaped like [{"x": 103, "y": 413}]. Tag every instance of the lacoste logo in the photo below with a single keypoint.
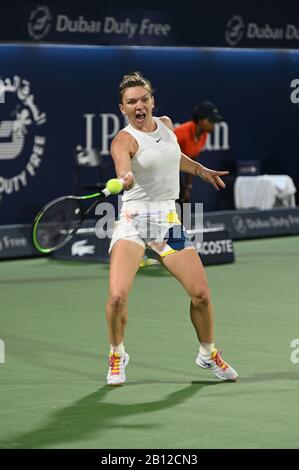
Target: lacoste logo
[{"x": 81, "y": 248}]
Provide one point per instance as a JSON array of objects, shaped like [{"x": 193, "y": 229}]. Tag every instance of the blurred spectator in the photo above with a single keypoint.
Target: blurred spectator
[{"x": 192, "y": 136}]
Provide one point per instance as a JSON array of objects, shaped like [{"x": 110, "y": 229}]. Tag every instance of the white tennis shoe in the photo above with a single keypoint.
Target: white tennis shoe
[
  {"x": 117, "y": 365},
  {"x": 221, "y": 369}
]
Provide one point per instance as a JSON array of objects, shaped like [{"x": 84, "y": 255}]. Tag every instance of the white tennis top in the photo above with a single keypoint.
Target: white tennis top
[{"x": 155, "y": 166}]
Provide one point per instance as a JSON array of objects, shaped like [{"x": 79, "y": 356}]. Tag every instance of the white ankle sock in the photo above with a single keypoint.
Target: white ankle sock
[
  {"x": 120, "y": 349},
  {"x": 206, "y": 348}
]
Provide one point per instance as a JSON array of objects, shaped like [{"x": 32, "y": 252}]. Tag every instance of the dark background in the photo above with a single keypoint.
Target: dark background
[{"x": 251, "y": 88}]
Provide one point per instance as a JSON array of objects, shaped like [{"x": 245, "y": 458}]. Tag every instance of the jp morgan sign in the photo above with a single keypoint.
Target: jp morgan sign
[
  {"x": 107, "y": 125},
  {"x": 241, "y": 33}
]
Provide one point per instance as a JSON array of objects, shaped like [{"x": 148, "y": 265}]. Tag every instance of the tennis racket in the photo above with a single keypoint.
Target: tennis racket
[{"x": 60, "y": 219}]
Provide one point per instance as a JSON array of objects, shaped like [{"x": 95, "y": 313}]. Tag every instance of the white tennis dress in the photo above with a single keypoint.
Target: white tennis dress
[{"x": 148, "y": 215}]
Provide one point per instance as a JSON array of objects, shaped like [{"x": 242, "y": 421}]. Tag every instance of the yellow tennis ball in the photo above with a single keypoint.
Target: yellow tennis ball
[{"x": 114, "y": 186}]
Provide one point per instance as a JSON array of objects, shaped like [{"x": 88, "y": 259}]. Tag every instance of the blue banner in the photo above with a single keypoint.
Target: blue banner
[
  {"x": 59, "y": 106},
  {"x": 267, "y": 24}
]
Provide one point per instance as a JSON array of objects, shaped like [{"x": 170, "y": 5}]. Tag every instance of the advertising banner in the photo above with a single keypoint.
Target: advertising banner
[
  {"x": 245, "y": 224},
  {"x": 267, "y": 24},
  {"x": 216, "y": 246},
  {"x": 59, "y": 112},
  {"x": 15, "y": 242}
]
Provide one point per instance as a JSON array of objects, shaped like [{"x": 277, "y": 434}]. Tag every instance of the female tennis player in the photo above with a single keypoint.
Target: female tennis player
[{"x": 147, "y": 156}]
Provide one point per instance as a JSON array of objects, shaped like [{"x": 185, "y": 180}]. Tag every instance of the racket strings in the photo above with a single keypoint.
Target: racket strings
[{"x": 58, "y": 222}]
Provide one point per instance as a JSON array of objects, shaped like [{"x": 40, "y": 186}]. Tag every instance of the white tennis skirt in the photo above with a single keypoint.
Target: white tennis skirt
[{"x": 153, "y": 225}]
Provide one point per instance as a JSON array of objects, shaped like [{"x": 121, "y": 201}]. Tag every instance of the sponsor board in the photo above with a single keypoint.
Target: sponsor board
[
  {"x": 111, "y": 26},
  {"x": 45, "y": 23},
  {"x": 239, "y": 31},
  {"x": 15, "y": 241},
  {"x": 254, "y": 25},
  {"x": 255, "y": 224},
  {"x": 85, "y": 245},
  {"x": 220, "y": 229},
  {"x": 215, "y": 248}
]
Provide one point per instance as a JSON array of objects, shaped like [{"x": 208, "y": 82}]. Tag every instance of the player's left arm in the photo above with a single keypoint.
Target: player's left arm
[{"x": 196, "y": 169}]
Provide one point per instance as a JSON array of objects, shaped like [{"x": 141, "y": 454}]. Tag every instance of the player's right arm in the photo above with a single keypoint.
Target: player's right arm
[{"x": 122, "y": 150}]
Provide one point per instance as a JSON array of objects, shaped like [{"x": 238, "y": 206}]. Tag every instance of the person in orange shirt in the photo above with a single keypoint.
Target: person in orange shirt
[{"x": 192, "y": 136}]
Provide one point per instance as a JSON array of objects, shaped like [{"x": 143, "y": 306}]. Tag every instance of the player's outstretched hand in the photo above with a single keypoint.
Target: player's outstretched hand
[{"x": 213, "y": 177}]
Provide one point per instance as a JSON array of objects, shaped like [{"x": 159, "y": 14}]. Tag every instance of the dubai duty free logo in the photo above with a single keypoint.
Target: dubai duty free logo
[
  {"x": 234, "y": 30},
  {"x": 21, "y": 138},
  {"x": 239, "y": 224},
  {"x": 40, "y": 22}
]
